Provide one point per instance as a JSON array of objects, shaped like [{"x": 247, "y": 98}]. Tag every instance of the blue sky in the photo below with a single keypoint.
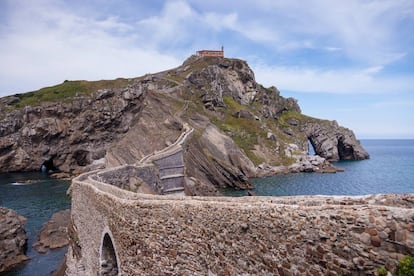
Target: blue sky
[{"x": 352, "y": 61}]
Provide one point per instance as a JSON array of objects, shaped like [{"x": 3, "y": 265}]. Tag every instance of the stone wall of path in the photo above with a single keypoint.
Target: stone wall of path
[{"x": 166, "y": 235}]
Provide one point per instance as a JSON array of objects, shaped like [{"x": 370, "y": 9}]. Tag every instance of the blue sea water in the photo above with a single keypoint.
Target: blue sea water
[
  {"x": 390, "y": 169},
  {"x": 37, "y": 202}
]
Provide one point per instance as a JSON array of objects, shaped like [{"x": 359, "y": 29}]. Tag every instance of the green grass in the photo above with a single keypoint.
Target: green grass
[
  {"x": 283, "y": 119},
  {"x": 243, "y": 131},
  {"x": 66, "y": 91},
  {"x": 289, "y": 115}
]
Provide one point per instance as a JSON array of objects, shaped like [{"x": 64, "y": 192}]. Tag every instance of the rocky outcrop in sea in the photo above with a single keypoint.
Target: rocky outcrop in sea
[
  {"x": 54, "y": 233},
  {"x": 13, "y": 239}
]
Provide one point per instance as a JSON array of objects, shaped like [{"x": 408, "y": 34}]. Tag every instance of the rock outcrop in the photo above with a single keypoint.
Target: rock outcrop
[
  {"x": 227, "y": 78},
  {"x": 67, "y": 136},
  {"x": 216, "y": 159},
  {"x": 13, "y": 239},
  {"x": 241, "y": 129},
  {"x": 334, "y": 142},
  {"x": 54, "y": 233}
]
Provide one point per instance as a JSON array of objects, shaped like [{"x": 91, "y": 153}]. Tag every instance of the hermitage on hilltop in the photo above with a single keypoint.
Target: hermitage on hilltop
[{"x": 211, "y": 53}]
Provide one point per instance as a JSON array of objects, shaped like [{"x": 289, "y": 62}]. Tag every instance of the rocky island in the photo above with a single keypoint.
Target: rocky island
[{"x": 241, "y": 129}]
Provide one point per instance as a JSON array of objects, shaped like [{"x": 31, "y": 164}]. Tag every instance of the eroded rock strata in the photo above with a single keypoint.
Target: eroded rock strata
[
  {"x": 13, "y": 239},
  {"x": 241, "y": 129}
]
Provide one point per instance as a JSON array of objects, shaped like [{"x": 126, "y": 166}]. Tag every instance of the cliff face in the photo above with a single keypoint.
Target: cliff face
[
  {"x": 241, "y": 128},
  {"x": 66, "y": 135}
]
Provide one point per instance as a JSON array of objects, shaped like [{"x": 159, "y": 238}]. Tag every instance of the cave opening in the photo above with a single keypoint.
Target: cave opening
[
  {"x": 311, "y": 147},
  {"x": 109, "y": 263},
  {"x": 48, "y": 165}
]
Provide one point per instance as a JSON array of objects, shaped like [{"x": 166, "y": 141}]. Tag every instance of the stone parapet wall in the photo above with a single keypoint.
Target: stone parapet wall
[
  {"x": 122, "y": 176},
  {"x": 169, "y": 235}
]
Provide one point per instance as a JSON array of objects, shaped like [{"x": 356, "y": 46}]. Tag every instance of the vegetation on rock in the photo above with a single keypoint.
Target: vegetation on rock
[
  {"x": 406, "y": 266},
  {"x": 65, "y": 91}
]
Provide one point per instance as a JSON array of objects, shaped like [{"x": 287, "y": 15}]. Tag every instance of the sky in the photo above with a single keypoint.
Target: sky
[{"x": 350, "y": 61}]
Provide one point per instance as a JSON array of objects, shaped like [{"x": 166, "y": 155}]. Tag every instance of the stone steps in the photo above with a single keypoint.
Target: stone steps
[
  {"x": 173, "y": 191},
  {"x": 172, "y": 176},
  {"x": 172, "y": 167}
]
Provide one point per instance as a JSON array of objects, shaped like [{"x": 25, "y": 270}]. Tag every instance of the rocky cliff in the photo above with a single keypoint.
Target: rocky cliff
[
  {"x": 241, "y": 128},
  {"x": 67, "y": 133},
  {"x": 13, "y": 239}
]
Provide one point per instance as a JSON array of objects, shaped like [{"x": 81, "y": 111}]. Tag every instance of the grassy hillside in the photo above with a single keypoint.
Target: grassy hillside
[{"x": 65, "y": 91}]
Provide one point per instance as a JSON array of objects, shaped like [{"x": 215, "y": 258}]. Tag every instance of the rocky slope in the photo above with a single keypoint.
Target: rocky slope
[
  {"x": 241, "y": 128},
  {"x": 13, "y": 239}
]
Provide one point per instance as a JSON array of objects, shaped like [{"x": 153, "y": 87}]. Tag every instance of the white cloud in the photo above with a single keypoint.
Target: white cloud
[
  {"x": 170, "y": 26},
  {"x": 365, "y": 31},
  {"x": 314, "y": 80},
  {"x": 46, "y": 44},
  {"x": 218, "y": 22}
]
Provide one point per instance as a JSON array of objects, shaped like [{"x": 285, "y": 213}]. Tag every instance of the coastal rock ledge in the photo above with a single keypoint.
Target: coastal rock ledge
[{"x": 13, "y": 239}]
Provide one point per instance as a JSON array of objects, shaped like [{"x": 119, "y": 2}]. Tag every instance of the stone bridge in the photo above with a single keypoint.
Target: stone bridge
[{"x": 118, "y": 230}]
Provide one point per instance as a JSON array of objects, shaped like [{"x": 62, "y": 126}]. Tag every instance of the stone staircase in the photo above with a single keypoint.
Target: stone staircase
[{"x": 170, "y": 164}]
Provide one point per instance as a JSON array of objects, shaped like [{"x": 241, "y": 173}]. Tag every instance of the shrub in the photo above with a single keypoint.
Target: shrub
[
  {"x": 381, "y": 271},
  {"x": 406, "y": 266}
]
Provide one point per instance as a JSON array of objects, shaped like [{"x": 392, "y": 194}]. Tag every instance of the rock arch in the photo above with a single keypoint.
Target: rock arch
[
  {"x": 109, "y": 262},
  {"x": 333, "y": 142}
]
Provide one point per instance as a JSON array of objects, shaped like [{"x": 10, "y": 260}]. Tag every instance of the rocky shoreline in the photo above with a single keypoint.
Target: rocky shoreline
[{"x": 13, "y": 239}]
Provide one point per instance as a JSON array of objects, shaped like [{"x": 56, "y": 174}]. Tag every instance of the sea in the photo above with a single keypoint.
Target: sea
[
  {"x": 35, "y": 196},
  {"x": 390, "y": 169}
]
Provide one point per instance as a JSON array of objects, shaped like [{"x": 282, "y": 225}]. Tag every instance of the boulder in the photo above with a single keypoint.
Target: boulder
[
  {"x": 13, "y": 239},
  {"x": 54, "y": 233},
  {"x": 244, "y": 114}
]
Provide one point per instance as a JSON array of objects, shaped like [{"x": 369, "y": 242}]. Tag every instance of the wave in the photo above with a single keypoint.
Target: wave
[{"x": 26, "y": 182}]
